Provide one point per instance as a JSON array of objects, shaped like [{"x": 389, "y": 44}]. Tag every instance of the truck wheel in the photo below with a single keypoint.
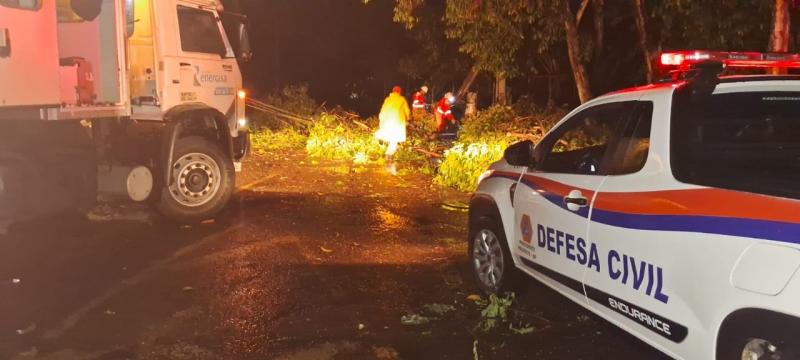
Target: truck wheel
[
  {"x": 490, "y": 258},
  {"x": 202, "y": 181}
]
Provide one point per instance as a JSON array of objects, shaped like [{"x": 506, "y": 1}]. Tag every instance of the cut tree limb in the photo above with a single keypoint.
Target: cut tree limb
[{"x": 431, "y": 154}]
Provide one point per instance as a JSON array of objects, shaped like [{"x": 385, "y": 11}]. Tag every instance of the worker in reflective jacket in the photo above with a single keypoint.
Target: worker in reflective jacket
[
  {"x": 444, "y": 113},
  {"x": 418, "y": 100},
  {"x": 419, "y": 109},
  {"x": 393, "y": 119}
]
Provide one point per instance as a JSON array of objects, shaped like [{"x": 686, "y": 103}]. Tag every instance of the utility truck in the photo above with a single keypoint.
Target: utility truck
[{"x": 134, "y": 99}]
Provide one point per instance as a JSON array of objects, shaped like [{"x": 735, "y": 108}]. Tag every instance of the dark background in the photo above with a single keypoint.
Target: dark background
[
  {"x": 350, "y": 53},
  {"x": 345, "y": 51}
]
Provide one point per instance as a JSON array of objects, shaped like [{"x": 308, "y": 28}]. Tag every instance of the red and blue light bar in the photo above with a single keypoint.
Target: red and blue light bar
[{"x": 685, "y": 59}]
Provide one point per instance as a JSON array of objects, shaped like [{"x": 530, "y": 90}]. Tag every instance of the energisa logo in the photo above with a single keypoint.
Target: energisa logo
[{"x": 201, "y": 78}]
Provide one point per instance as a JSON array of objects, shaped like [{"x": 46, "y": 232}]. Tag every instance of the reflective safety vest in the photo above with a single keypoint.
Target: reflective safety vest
[
  {"x": 418, "y": 100},
  {"x": 443, "y": 110}
]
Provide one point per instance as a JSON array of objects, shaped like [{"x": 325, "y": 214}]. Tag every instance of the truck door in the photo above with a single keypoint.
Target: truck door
[
  {"x": 208, "y": 70},
  {"x": 29, "y": 54},
  {"x": 552, "y": 201}
]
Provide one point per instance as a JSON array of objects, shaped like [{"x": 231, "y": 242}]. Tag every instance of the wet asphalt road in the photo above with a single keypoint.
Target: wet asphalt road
[{"x": 310, "y": 261}]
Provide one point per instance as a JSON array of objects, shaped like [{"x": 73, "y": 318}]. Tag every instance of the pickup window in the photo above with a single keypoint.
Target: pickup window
[
  {"x": 748, "y": 141},
  {"x": 199, "y": 31},
  {"x": 608, "y": 139},
  {"x": 22, "y": 4}
]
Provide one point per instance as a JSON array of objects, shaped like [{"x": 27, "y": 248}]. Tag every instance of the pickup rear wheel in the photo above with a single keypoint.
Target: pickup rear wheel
[
  {"x": 490, "y": 258},
  {"x": 202, "y": 181},
  {"x": 761, "y": 338}
]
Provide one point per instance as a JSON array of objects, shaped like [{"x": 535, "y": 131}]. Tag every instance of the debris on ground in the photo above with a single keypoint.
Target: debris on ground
[
  {"x": 475, "y": 298},
  {"x": 361, "y": 326},
  {"x": 110, "y": 312},
  {"x": 521, "y": 330},
  {"x": 583, "y": 318},
  {"x": 414, "y": 319},
  {"x": 188, "y": 289},
  {"x": 496, "y": 312},
  {"x": 16, "y": 280},
  {"x": 385, "y": 353},
  {"x": 455, "y": 206},
  {"x": 325, "y": 250},
  {"x": 208, "y": 221},
  {"x": 451, "y": 241},
  {"x": 101, "y": 213},
  {"x": 438, "y": 309},
  {"x": 107, "y": 212},
  {"x": 31, "y": 328}
]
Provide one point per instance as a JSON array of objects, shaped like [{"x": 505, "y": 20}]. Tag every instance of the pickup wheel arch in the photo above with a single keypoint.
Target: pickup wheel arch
[
  {"x": 744, "y": 325},
  {"x": 483, "y": 206}
]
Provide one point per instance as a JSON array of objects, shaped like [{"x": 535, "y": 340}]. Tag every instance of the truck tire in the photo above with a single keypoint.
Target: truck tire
[{"x": 203, "y": 180}]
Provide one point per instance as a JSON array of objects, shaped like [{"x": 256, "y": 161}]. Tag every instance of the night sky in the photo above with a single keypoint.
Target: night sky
[{"x": 337, "y": 47}]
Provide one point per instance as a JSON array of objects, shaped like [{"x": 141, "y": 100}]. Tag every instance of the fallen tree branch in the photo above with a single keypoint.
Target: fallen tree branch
[
  {"x": 426, "y": 152},
  {"x": 365, "y": 126}
]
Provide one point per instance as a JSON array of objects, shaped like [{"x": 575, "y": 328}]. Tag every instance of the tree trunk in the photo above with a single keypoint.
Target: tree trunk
[
  {"x": 781, "y": 22},
  {"x": 471, "y": 76},
  {"x": 599, "y": 25},
  {"x": 779, "y": 41},
  {"x": 641, "y": 29},
  {"x": 500, "y": 96},
  {"x": 573, "y": 48}
]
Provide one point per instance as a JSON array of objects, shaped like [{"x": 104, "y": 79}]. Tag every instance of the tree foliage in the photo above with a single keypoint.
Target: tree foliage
[
  {"x": 493, "y": 33},
  {"x": 489, "y": 31},
  {"x": 735, "y": 25}
]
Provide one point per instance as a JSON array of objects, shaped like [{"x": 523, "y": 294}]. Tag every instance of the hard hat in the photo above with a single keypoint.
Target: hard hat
[
  {"x": 424, "y": 89},
  {"x": 450, "y": 98},
  {"x": 397, "y": 90}
]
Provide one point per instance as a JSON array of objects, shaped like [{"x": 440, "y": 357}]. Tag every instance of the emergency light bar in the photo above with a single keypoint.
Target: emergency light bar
[{"x": 685, "y": 59}]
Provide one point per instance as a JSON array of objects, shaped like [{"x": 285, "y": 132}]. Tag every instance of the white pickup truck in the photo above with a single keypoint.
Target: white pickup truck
[
  {"x": 140, "y": 99},
  {"x": 671, "y": 210}
]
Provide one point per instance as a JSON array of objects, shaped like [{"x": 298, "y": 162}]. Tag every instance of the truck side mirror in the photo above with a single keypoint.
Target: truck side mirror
[
  {"x": 245, "y": 50},
  {"x": 130, "y": 17},
  {"x": 238, "y": 36},
  {"x": 521, "y": 154}
]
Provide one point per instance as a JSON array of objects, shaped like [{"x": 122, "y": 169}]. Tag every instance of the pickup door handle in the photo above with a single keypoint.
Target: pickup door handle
[
  {"x": 184, "y": 64},
  {"x": 576, "y": 201}
]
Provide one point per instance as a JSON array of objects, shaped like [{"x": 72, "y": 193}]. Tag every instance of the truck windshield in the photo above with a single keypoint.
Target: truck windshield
[{"x": 748, "y": 141}]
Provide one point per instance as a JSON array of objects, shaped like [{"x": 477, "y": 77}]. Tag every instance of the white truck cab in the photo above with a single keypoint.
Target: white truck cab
[
  {"x": 135, "y": 98},
  {"x": 669, "y": 210}
]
